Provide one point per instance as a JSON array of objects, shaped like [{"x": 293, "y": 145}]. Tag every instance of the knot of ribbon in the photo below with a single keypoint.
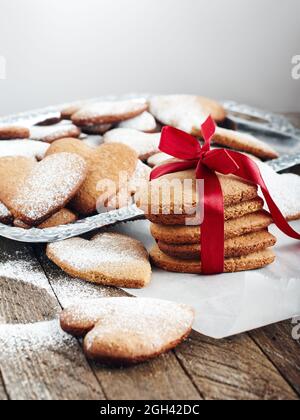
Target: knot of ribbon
[{"x": 207, "y": 164}]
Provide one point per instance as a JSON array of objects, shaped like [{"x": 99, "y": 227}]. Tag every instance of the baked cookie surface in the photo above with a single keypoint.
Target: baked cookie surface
[
  {"x": 128, "y": 330},
  {"x": 108, "y": 258}
]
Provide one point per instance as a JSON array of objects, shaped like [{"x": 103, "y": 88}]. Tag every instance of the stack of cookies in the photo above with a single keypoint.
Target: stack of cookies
[{"x": 178, "y": 232}]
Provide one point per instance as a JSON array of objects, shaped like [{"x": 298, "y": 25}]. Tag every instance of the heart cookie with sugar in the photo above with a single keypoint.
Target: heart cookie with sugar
[
  {"x": 49, "y": 186},
  {"x": 145, "y": 144},
  {"x": 105, "y": 163},
  {"x": 25, "y": 148},
  {"x": 109, "y": 112},
  {"x": 244, "y": 142},
  {"x": 111, "y": 259},
  {"x": 49, "y": 134},
  {"x": 8, "y": 132},
  {"x": 186, "y": 112},
  {"x": 13, "y": 172},
  {"x": 144, "y": 122},
  {"x": 124, "y": 330}
]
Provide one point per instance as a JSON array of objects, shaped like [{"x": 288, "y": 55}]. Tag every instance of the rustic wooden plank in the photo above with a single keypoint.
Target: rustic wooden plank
[
  {"x": 3, "y": 394},
  {"x": 37, "y": 361},
  {"x": 277, "y": 344},
  {"x": 162, "y": 378},
  {"x": 232, "y": 369}
]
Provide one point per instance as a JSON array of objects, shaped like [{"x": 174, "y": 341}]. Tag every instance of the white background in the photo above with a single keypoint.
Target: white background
[{"x": 60, "y": 50}]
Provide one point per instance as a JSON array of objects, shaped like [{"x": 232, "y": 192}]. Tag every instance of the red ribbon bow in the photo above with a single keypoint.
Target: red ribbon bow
[{"x": 207, "y": 162}]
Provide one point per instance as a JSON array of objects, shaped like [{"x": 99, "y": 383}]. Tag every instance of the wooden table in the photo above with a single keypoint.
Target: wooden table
[{"x": 262, "y": 364}]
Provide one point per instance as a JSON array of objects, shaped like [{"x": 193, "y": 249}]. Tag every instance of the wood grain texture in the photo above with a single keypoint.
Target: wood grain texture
[
  {"x": 36, "y": 363},
  {"x": 278, "y": 345},
  {"x": 162, "y": 378},
  {"x": 232, "y": 369}
]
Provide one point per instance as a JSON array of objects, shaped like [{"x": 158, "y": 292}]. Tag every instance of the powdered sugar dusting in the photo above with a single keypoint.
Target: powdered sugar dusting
[
  {"x": 54, "y": 132},
  {"x": 145, "y": 144},
  {"x": 41, "y": 336},
  {"x": 144, "y": 122},
  {"x": 284, "y": 189},
  {"x": 50, "y": 185},
  {"x": 4, "y": 213},
  {"x": 25, "y": 148},
  {"x": 152, "y": 322}
]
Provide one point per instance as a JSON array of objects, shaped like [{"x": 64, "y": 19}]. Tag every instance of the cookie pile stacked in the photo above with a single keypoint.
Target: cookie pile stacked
[{"x": 247, "y": 239}]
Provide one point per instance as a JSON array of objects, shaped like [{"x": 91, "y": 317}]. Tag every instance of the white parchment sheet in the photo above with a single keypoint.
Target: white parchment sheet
[{"x": 229, "y": 304}]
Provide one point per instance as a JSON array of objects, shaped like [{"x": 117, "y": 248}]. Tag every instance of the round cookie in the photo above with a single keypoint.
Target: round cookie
[
  {"x": 186, "y": 112},
  {"x": 181, "y": 197},
  {"x": 128, "y": 330},
  {"x": 244, "y": 142},
  {"x": 158, "y": 159},
  {"x": 250, "y": 262},
  {"x": 104, "y": 163},
  {"x": 67, "y": 112},
  {"x": 13, "y": 132},
  {"x": 49, "y": 134},
  {"x": 234, "y": 247},
  {"x": 178, "y": 234},
  {"x": 230, "y": 212},
  {"x": 144, "y": 122},
  {"x": 24, "y": 148},
  {"x": 110, "y": 259},
  {"x": 50, "y": 185},
  {"x": 145, "y": 144},
  {"x": 96, "y": 129},
  {"x": 109, "y": 112}
]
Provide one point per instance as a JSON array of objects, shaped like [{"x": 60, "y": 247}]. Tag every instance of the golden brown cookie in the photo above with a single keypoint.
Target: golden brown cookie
[
  {"x": 230, "y": 212},
  {"x": 145, "y": 144},
  {"x": 186, "y": 112},
  {"x": 125, "y": 330},
  {"x": 50, "y": 185},
  {"x": 13, "y": 132},
  {"x": 234, "y": 247},
  {"x": 5, "y": 215},
  {"x": 13, "y": 172},
  {"x": 250, "y": 262},
  {"x": 144, "y": 122},
  {"x": 49, "y": 134},
  {"x": 104, "y": 163},
  {"x": 109, "y": 112},
  {"x": 62, "y": 217},
  {"x": 244, "y": 142},
  {"x": 111, "y": 259},
  {"x": 178, "y": 234},
  {"x": 177, "y": 194}
]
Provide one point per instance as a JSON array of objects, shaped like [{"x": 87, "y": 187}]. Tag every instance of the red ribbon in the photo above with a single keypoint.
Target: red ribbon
[{"x": 207, "y": 162}]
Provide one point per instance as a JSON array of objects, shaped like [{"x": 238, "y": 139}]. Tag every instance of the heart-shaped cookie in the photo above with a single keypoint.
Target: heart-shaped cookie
[
  {"x": 144, "y": 122},
  {"x": 50, "y": 185},
  {"x": 49, "y": 134},
  {"x": 105, "y": 163},
  {"x": 111, "y": 259},
  {"x": 109, "y": 112},
  {"x": 128, "y": 330},
  {"x": 13, "y": 172},
  {"x": 25, "y": 148},
  {"x": 8, "y": 132},
  {"x": 145, "y": 144},
  {"x": 186, "y": 112}
]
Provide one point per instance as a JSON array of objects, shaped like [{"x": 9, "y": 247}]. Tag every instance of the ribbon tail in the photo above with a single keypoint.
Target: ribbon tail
[
  {"x": 249, "y": 171},
  {"x": 212, "y": 228}
]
